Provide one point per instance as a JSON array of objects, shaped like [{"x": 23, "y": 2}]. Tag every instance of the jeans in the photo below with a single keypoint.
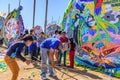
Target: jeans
[
  {"x": 44, "y": 59},
  {"x": 60, "y": 57}
]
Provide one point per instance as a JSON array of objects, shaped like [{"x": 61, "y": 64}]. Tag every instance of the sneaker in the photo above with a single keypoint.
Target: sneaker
[
  {"x": 43, "y": 77},
  {"x": 65, "y": 65},
  {"x": 52, "y": 75},
  {"x": 70, "y": 66}
]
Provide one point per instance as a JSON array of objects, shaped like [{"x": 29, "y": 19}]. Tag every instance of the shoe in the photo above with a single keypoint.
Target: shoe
[
  {"x": 70, "y": 66},
  {"x": 52, "y": 75},
  {"x": 59, "y": 65},
  {"x": 43, "y": 77}
]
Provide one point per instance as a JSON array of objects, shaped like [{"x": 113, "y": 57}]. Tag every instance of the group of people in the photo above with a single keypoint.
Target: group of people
[{"x": 51, "y": 50}]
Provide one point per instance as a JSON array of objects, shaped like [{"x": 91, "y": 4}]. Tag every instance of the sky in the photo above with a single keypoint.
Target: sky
[{"x": 56, "y": 9}]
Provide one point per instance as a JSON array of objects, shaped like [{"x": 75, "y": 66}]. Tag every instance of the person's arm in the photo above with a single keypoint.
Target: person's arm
[
  {"x": 19, "y": 50},
  {"x": 51, "y": 56},
  {"x": 56, "y": 55},
  {"x": 19, "y": 55}
]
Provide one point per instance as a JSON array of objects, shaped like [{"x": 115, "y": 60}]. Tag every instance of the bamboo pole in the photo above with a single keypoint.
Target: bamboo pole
[
  {"x": 8, "y": 8},
  {"x": 34, "y": 8},
  {"x": 19, "y": 2},
  {"x": 46, "y": 14}
]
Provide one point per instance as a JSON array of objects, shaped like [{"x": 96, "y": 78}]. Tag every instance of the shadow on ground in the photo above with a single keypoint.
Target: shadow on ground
[{"x": 77, "y": 72}]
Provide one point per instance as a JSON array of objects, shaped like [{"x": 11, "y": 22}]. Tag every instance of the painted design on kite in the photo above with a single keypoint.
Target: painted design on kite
[
  {"x": 38, "y": 29},
  {"x": 2, "y": 27},
  {"x": 14, "y": 24},
  {"x": 100, "y": 23},
  {"x": 88, "y": 23},
  {"x": 81, "y": 21},
  {"x": 51, "y": 28},
  {"x": 99, "y": 52}
]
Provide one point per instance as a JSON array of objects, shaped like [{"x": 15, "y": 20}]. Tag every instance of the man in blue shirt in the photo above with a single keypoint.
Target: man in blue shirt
[
  {"x": 33, "y": 46},
  {"x": 49, "y": 48}
]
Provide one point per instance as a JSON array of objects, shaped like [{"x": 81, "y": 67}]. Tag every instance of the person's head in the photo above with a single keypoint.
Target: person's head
[
  {"x": 56, "y": 32},
  {"x": 26, "y": 31},
  {"x": 60, "y": 32},
  {"x": 64, "y": 34},
  {"x": 42, "y": 34},
  {"x": 28, "y": 40},
  {"x": 32, "y": 32},
  {"x": 71, "y": 40}
]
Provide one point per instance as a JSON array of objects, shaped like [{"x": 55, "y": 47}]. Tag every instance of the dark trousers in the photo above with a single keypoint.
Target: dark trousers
[
  {"x": 26, "y": 50},
  {"x": 38, "y": 52},
  {"x": 60, "y": 57},
  {"x": 34, "y": 54}
]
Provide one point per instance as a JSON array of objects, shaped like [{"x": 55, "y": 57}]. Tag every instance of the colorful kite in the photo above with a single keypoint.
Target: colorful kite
[
  {"x": 14, "y": 24},
  {"x": 51, "y": 28},
  {"x": 2, "y": 26},
  {"x": 95, "y": 27},
  {"x": 38, "y": 29}
]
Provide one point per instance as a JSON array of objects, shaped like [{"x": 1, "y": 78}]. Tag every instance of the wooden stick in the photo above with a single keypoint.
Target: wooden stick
[
  {"x": 57, "y": 68},
  {"x": 4, "y": 47}
]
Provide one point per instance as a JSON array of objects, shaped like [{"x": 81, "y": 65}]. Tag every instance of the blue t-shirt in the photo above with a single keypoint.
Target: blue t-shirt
[
  {"x": 15, "y": 50},
  {"x": 33, "y": 45},
  {"x": 50, "y": 43},
  {"x": 34, "y": 37}
]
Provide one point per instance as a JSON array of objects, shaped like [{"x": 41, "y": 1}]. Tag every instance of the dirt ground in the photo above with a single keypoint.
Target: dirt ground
[
  {"x": 63, "y": 73},
  {"x": 31, "y": 73}
]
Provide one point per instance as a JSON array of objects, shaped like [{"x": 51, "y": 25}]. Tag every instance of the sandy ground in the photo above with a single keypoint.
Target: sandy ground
[
  {"x": 31, "y": 73},
  {"x": 63, "y": 73}
]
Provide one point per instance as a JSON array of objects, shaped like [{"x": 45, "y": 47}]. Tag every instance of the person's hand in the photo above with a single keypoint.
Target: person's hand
[
  {"x": 56, "y": 62},
  {"x": 17, "y": 59},
  {"x": 27, "y": 62},
  {"x": 53, "y": 63},
  {"x": 63, "y": 50}
]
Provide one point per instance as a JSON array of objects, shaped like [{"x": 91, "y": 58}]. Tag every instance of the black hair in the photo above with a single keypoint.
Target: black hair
[
  {"x": 42, "y": 33},
  {"x": 64, "y": 32},
  {"x": 56, "y": 31},
  {"x": 27, "y": 37},
  {"x": 71, "y": 40},
  {"x": 31, "y": 31},
  {"x": 60, "y": 32},
  {"x": 26, "y": 31}
]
